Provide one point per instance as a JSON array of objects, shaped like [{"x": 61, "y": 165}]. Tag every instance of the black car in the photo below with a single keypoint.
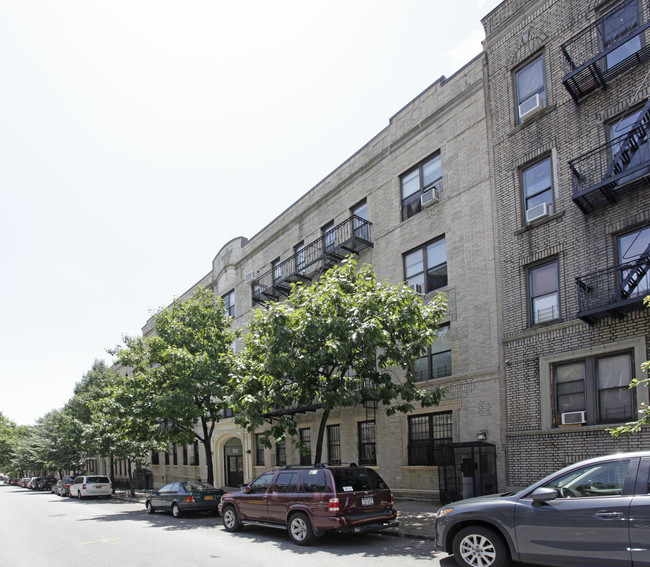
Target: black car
[
  {"x": 182, "y": 497},
  {"x": 46, "y": 483}
]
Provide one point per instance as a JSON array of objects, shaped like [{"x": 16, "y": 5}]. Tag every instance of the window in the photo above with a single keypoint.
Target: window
[
  {"x": 333, "y": 444},
  {"x": 259, "y": 450},
  {"x": 166, "y": 458},
  {"x": 229, "y": 303},
  {"x": 287, "y": 482},
  {"x": 314, "y": 481},
  {"x": 360, "y": 214},
  {"x": 422, "y": 178},
  {"x": 426, "y": 267},
  {"x": 305, "y": 439},
  {"x": 195, "y": 456},
  {"x": 631, "y": 247},
  {"x": 174, "y": 454},
  {"x": 367, "y": 447},
  {"x": 281, "y": 454},
  {"x": 329, "y": 236},
  {"x": 637, "y": 152},
  {"x": 429, "y": 434},
  {"x": 299, "y": 252},
  {"x": 185, "y": 456},
  {"x": 437, "y": 362},
  {"x": 537, "y": 183},
  {"x": 155, "y": 458},
  {"x": 530, "y": 88},
  {"x": 261, "y": 484},
  {"x": 598, "y": 386},
  {"x": 276, "y": 268},
  {"x": 544, "y": 293},
  {"x": 616, "y": 25},
  {"x": 598, "y": 480}
]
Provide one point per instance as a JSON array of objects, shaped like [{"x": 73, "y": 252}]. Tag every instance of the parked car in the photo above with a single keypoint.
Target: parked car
[
  {"x": 31, "y": 483},
  {"x": 182, "y": 497},
  {"x": 62, "y": 488},
  {"x": 45, "y": 483},
  {"x": 309, "y": 502},
  {"x": 25, "y": 481},
  {"x": 595, "y": 512},
  {"x": 91, "y": 485}
]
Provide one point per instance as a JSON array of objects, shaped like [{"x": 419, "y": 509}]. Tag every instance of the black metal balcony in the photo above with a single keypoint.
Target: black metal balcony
[
  {"x": 614, "y": 291},
  {"x": 602, "y": 175},
  {"x": 350, "y": 237},
  {"x": 591, "y": 59}
]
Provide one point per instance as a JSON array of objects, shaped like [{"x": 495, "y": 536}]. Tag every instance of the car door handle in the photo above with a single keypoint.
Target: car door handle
[{"x": 605, "y": 515}]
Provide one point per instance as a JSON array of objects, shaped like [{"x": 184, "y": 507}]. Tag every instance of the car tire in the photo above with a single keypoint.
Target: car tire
[
  {"x": 79, "y": 496},
  {"x": 300, "y": 530},
  {"x": 150, "y": 508},
  {"x": 476, "y": 546},
  {"x": 176, "y": 511},
  {"x": 231, "y": 520}
]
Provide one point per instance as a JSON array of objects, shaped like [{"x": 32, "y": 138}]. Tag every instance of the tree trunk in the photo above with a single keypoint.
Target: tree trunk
[
  {"x": 207, "y": 438},
  {"x": 321, "y": 437},
  {"x": 131, "y": 487}
]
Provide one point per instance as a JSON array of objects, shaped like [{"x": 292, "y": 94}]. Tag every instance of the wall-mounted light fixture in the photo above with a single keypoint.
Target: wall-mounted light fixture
[{"x": 481, "y": 435}]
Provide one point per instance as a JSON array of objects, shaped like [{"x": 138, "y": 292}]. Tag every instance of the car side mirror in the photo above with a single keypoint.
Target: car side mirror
[
  {"x": 248, "y": 489},
  {"x": 544, "y": 494}
]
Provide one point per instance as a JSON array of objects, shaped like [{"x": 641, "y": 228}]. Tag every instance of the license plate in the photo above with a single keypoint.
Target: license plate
[
  {"x": 209, "y": 498},
  {"x": 367, "y": 501},
  {"x": 98, "y": 486}
]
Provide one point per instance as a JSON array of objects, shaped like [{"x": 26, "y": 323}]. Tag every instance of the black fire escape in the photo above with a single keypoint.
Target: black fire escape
[
  {"x": 349, "y": 237},
  {"x": 589, "y": 59},
  {"x": 602, "y": 175}
]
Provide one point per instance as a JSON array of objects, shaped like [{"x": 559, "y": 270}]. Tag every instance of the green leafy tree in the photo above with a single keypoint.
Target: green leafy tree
[
  {"x": 184, "y": 371},
  {"x": 52, "y": 443},
  {"x": 644, "y": 412},
  {"x": 335, "y": 344},
  {"x": 7, "y": 442}
]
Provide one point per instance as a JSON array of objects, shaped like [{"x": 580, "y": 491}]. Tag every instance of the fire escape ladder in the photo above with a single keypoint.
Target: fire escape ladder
[
  {"x": 637, "y": 135},
  {"x": 637, "y": 272}
]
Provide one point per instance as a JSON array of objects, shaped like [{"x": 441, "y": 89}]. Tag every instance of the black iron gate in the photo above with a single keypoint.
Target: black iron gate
[{"x": 471, "y": 471}]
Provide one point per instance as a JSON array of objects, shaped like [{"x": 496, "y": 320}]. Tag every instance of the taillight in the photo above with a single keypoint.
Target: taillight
[
  {"x": 334, "y": 505},
  {"x": 83, "y": 487},
  {"x": 189, "y": 499},
  {"x": 392, "y": 500}
]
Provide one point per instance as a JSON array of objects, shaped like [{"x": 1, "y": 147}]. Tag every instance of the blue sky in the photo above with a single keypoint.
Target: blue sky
[{"x": 138, "y": 137}]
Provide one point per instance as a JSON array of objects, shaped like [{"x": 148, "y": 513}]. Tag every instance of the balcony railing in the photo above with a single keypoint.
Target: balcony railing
[
  {"x": 614, "y": 291},
  {"x": 613, "y": 44},
  {"x": 602, "y": 175},
  {"x": 349, "y": 237}
]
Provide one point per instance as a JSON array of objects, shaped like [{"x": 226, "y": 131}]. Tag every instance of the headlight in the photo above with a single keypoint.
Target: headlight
[{"x": 443, "y": 512}]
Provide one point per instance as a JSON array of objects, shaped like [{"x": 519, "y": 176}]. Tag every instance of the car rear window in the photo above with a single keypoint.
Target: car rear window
[
  {"x": 97, "y": 479},
  {"x": 348, "y": 480}
]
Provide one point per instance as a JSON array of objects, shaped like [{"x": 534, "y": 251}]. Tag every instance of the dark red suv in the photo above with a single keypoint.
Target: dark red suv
[{"x": 308, "y": 502}]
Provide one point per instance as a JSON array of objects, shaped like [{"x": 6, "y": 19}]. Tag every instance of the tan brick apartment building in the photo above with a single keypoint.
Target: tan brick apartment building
[
  {"x": 518, "y": 187},
  {"x": 567, "y": 90}
]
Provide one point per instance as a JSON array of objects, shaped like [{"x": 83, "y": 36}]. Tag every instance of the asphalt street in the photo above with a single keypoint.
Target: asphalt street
[{"x": 42, "y": 529}]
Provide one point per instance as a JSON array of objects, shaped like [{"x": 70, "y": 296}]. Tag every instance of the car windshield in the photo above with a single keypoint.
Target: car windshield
[
  {"x": 348, "y": 480},
  {"x": 197, "y": 486}
]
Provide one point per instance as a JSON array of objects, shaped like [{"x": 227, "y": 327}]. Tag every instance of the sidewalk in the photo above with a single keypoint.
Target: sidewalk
[{"x": 415, "y": 517}]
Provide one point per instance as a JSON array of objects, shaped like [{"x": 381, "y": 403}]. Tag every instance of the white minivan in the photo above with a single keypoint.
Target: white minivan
[{"x": 91, "y": 485}]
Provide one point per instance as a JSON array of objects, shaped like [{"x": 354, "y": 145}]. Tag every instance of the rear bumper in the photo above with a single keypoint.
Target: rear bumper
[{"x": 356, "y": 524}]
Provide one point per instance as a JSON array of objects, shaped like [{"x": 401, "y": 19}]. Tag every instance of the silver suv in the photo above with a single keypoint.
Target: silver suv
[{"x": 595, "y": 512}]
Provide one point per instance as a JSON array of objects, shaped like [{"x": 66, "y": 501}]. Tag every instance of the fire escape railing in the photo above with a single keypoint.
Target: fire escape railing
[
  {"x": 586, "y": 59},
  {"x": 614, "y": 291},
  {"x": 349, "y": 237},
  {"x": 601, "y": 175}
]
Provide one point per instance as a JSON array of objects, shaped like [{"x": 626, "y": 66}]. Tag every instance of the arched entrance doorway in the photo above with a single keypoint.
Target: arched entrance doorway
[{"x": 234, "y": 460}]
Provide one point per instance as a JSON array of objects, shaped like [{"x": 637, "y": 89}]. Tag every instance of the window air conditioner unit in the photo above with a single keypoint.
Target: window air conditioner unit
[
  {"x": 416, "y": 287},
  {"x": 250, "y": 276},
  {"x": 537, "y": 212},
  {"x": 530, "y": 107},
  {"x": 573, "y": 417},
  {"x": 430, "y": 197}
]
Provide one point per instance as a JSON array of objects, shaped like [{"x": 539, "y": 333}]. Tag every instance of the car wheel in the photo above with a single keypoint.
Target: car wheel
[
  {"x": 79, "y": 496},
  {"x": 300, "y": 530},
  {"x": 150, "y": 508},
  {"x": 476, "y": 546},
  {"x": 231, "y": 520},
  {"x": 176, "y": 511}
]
